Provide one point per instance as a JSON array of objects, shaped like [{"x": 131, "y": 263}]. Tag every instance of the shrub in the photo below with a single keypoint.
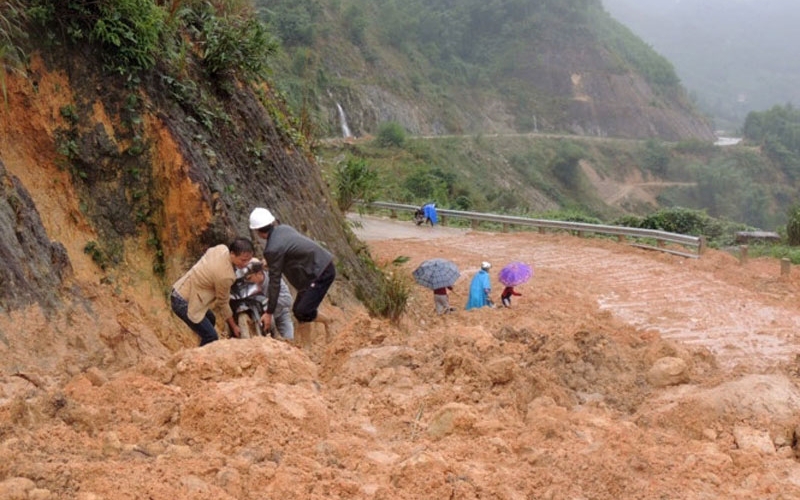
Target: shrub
[
  {"x": 128, "y": 30},
  {"x": 565, "y": 166},
  {"x": 694, "y": 222},
  {"x": 391, "y": 134},
  {"x": 463, "y": 202},
  {"x": 793, "y": 226},
  {"x": 655, "y": 157},
  {"x": 395, "y": 288},
  {"x": 628, "y": 221},
  {"x": 232, "y": 44},
  {"x": 677, "y": 220},
  {"x": 354, "y": 180},
  {"x": 12, "y": 15},
  {"x": 355, "y": 24},
  {"x": 572, "y": 215},
  {"x": 294, "y": 21},
  {"x": 97, "y": 254}
]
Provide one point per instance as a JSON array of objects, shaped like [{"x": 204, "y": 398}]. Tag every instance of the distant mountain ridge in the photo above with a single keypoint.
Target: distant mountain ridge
[{"x": 472, "y": 68}]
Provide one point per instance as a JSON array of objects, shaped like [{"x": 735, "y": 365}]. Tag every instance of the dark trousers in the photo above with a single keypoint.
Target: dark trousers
[
  {"x": 307, "y": 301},
  {"x": 205, "y": 329}
]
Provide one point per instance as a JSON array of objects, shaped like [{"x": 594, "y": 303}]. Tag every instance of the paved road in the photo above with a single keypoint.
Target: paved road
[{"x": 370, "y": 228}]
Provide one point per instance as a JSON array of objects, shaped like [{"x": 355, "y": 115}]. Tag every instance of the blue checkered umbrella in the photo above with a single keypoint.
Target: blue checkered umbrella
[{"x": 436, "y": 273}]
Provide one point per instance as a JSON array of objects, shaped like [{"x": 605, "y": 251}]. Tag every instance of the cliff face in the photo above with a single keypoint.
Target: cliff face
[
  {"x": 113, "y": 190},
  {"x": 596, "y": 100}
]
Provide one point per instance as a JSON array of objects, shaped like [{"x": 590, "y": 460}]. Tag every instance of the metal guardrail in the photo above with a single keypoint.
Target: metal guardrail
[{"x": 692, "y": 246}]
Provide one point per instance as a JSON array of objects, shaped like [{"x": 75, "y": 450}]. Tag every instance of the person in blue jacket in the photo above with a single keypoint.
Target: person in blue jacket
[
  {"x": 431, "y": 216},
  {"x": 480, "y": 288}
]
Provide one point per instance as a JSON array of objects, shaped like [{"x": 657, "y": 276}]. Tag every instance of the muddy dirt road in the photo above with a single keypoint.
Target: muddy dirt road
[{"x": 746, "y": 315}]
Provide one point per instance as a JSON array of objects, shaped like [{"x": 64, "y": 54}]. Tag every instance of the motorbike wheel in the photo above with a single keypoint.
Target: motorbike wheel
[
  {"x": 246, "y": 326},
  {"x": 258, "y": 330}
]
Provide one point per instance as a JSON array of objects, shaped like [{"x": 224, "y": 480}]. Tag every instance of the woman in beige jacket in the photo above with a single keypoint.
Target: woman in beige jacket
[{"x": 208, "y": 283}]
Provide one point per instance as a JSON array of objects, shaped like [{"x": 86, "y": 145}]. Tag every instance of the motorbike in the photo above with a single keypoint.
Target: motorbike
[
  {"x": 419, "y": 217},
  {"x": 246, "y": 303}
]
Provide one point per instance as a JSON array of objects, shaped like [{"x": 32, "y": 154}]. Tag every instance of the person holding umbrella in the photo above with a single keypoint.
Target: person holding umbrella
[
  {"x": 505, "y": 297},
  {"x": 515, "y": 273},
  {"x": 441, "y": 301},
  {"x": 439, "y": 275}
]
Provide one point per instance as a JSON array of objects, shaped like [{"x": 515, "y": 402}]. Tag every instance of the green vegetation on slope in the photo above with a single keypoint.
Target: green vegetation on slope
[
  {"x": 549, "y": 176},
  {"x": 777, "y": 131},
  {"x": 439, "y": 53}
]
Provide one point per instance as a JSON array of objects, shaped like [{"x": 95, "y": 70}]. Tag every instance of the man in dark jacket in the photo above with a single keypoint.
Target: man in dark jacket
[{"x": 307, "y": 267}]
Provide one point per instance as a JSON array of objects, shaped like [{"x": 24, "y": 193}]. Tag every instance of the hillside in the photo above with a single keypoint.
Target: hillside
[
  {"x": 558, "y": 397},
  {"x": 131, "y": 143},
  {"x": 114, "y": 185},
  {"x": 472, "y": 68},
  {"x": 553, "y": 176}
]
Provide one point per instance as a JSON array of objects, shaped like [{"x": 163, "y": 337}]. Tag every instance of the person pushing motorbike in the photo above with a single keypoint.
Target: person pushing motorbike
[{"x": 252, "y": 284}]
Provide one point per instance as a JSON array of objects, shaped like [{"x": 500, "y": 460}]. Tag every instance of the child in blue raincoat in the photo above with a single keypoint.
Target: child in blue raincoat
[{"x": 480, "y": 288}]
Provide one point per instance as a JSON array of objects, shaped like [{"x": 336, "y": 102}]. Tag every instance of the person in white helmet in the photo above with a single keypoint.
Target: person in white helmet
[
  {"x": 307, "y": 266},
  {"x": 480, "y": 288}
]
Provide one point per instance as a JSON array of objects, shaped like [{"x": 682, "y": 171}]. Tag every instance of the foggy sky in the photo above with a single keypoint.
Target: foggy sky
[{"x": 735, "y": 56}]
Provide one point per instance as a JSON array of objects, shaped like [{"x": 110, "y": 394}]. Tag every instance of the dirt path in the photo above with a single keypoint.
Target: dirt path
[{"x": 745, "y": 315}]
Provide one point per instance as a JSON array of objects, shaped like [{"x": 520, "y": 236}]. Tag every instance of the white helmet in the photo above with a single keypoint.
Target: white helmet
[
  {"x": 485, "y": 265},
  {"x": 261, "y": 217}
]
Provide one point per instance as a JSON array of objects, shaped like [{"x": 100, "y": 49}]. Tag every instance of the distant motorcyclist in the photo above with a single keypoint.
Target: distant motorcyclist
[{"x": 426, "y": 214}]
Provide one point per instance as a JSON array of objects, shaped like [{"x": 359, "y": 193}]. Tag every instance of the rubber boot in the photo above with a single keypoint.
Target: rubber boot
[
  {"x": 302, "y": 335},
  {"x": 323, "y": 318},
  {"x": 326, "y": 321}
]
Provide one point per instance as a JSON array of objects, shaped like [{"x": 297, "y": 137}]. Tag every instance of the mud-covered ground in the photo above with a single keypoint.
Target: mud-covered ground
[{"x": 619, "y": 373}]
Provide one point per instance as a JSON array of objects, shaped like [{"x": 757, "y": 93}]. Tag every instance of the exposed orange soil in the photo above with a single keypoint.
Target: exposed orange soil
[{"x": 554, "y": 398}]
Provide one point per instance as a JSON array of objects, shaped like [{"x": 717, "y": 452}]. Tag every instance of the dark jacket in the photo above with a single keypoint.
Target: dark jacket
[{"x": 298, "y": 258}]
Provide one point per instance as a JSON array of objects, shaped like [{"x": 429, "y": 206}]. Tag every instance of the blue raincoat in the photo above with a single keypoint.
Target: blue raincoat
[
  {"x": 479, "y": 290},
  {"x": 429, "y": 211}
]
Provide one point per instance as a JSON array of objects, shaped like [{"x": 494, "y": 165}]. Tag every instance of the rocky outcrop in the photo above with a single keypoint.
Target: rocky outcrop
[{"x": 34, "y": 267}]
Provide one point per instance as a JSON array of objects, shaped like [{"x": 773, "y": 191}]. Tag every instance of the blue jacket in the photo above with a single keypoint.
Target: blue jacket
[
  {"x": 479, "y": 290},
  {"x": 430, "y": 212}
]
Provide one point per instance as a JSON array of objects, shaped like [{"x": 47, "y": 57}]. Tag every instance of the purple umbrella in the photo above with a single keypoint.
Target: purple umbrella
[{"x": 515, "y": 273}]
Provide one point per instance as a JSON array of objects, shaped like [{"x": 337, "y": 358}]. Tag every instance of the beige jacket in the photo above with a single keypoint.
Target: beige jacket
[{"x": 208, "y": 281}]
